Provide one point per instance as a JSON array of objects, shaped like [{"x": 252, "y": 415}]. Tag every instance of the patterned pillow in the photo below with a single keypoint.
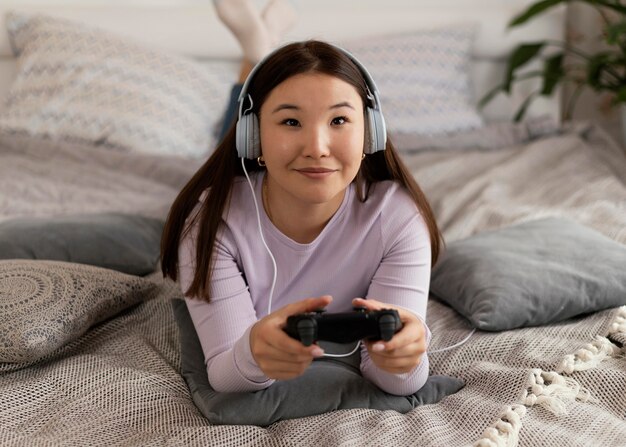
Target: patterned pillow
[
  {"x": 46, "y": 304},
  {"x": 86, "y": 84},
  {"x": 423, "y": 78}
]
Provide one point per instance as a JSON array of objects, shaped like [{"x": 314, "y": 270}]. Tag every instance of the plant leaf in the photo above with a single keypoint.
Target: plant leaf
[
  {"x": 596, "y": 66},
  {"x": 571, "y": 103},
  {"x": 489, "y": 96},
  {"x": 553, "y": 72},
  {"x": 500, "y": 88},
  {"x": 621, "y": 95},
  {"x": 615, "y": 33},
  {"x": 521, "y": 56},
  {"x": 524, "y": 107},
  {"x": 533, "y": 10}
]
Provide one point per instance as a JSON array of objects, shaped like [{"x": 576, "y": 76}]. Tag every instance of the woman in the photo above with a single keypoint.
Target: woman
[{"x": 345, "y": 228}]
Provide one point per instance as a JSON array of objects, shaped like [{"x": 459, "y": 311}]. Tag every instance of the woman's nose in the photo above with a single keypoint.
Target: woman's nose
[{"x": 317, "y": 142}]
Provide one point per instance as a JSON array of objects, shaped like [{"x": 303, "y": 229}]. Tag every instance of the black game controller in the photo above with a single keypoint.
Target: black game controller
[{"x": 344, "y": 327}]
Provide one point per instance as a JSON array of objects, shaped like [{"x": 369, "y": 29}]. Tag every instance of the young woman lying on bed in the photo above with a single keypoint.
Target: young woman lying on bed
[{"x": 342, "y": 224}]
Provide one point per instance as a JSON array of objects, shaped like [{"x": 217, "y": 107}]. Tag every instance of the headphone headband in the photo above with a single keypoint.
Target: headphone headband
[{"x": 247, "y": 142}]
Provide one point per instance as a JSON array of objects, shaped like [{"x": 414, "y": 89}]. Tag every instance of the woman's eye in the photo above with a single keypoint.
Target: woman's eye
[
  {"x": 339, "y": 120},
  {"x": 290, "y": 122}
]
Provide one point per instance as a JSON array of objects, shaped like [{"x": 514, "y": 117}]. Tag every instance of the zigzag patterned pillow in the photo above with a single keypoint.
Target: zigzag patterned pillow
[
  {"x": 423, "y": 78},
  {"x": 85, "y": 84}
]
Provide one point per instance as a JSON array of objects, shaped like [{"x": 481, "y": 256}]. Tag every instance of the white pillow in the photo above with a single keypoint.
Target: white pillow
[
  {"x": 423, "y": 78},
  {"x": 81, "y": 83}
]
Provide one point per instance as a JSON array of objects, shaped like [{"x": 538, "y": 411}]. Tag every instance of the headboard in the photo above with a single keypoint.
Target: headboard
[{"x": 191, "y": 27}]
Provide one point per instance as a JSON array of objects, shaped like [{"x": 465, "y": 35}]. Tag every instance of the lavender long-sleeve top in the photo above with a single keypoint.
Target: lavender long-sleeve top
[{"x": 378, "y": 249}]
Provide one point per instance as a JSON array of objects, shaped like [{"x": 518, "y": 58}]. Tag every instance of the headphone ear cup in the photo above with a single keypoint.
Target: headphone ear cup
[
  {"x": 240, "y": 138},
  {"x": 367, "y": 145},
  {"x": 247, "y": 137},
  {"x": 254, "y": 139},
  {"x": 375, "y": 131}
]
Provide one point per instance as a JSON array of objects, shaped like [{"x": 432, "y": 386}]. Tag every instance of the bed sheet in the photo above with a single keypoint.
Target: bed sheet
[{"x": 41, "y": 177}]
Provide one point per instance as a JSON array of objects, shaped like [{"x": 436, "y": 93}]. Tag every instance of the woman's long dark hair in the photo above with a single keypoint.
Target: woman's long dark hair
[{"x": 218, "y": 173}]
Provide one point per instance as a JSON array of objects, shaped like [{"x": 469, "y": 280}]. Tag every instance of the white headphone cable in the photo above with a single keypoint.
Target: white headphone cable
[
  {"x": 258, "y": 219},
  {"x": 358, "y": 344},
  {"x": 269, "y": 252},
  {"x": 455, "y": 345}
]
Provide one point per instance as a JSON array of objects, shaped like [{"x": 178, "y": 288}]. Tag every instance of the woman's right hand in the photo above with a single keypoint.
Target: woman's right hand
[{"x": 277, "y": 354}]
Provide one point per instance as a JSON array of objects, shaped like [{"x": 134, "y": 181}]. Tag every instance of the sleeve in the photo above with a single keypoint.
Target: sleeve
[
  {"x": 223, "y": 325},
  {"x": 402, "y": 279}
]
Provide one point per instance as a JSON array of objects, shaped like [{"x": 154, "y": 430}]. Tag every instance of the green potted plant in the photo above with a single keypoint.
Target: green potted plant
[{"x": 562, "y": 62}]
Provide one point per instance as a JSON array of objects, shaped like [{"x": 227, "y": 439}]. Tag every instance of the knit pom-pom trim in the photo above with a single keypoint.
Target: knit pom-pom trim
[
  {"x": 505, "y": 431},
  {"x": 589, "y": 356},
  {"x": 551, "y": 391},
  {"x": 618, "y": 326},
  {"x": 592, "y": 354}
]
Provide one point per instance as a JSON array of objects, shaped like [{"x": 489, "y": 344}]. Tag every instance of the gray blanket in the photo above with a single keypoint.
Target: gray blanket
[{"x": 42, "y": 178}]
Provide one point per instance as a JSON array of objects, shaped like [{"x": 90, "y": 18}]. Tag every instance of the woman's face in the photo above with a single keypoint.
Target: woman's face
[{"x": 312, "y": 132}]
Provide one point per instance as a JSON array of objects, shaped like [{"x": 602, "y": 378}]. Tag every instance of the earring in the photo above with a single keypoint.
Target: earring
[
  {"x": 363, "y": 156},
  {"x": 260, "y": 160}
]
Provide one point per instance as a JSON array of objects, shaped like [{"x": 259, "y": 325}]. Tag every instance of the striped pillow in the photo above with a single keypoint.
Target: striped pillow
[
  {"x": 423, "y": 78},
  {"x": 85, "y": 84}
]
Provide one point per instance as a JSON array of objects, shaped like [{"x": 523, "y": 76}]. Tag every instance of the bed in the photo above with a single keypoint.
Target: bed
[{"x": 89, "y": 344}]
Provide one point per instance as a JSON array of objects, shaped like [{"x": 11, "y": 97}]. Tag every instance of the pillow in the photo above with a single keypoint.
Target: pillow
[
  {"x": 46, "y": 304},
  {"x": 530, "y": 274},
  {"x": 423, "y": 78},
  {"x": 85, "y": 84},
  {"x": 128, "y": 243},
  {"x": 327, "y": 385}
]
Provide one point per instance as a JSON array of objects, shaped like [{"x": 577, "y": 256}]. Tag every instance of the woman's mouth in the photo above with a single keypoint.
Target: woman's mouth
[{"x": 316, "y": 173}]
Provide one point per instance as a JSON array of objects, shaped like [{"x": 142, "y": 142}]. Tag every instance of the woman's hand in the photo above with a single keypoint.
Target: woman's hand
[
  {"x": 278, "y": 355},
  {"x": 404, "y": 351}
]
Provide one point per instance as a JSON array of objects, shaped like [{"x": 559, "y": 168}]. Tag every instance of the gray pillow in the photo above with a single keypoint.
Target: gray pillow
[
  {"x": 46, "y": 304},
  {"x": 327, "y": 385},
  {"x": 123, "y": 242},
  {"x": 530, "y": 274}
]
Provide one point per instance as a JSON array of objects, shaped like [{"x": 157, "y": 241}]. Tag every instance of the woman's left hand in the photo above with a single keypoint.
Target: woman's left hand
[{"x": 404, "y": 351}]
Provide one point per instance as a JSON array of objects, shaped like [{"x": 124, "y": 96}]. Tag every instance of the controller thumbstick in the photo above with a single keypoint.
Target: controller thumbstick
[
  {"x": 307, "y": 331},
  {"x": 387, "y": 326}
]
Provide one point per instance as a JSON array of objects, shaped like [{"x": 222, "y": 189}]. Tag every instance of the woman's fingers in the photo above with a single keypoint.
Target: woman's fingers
[
  {"x": 408, "y": 350},
  {"x": 305, "y": 305},
  {"x": 280, "y": 361},
  {"x": 278, "y": 355},
  {"x": 411, "y": 332},
  {"x": 404, "y": 351},
  {"x": 276, "y": 321},
  {"x": 369, "y": 304},
  {"x": 412, "y": 327},
  {"x": 397, "y": 360},
  {"x": 282, "y": 347}
]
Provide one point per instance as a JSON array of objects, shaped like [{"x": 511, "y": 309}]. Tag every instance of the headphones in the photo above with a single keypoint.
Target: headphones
[{"x": 247, "y": 131}]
